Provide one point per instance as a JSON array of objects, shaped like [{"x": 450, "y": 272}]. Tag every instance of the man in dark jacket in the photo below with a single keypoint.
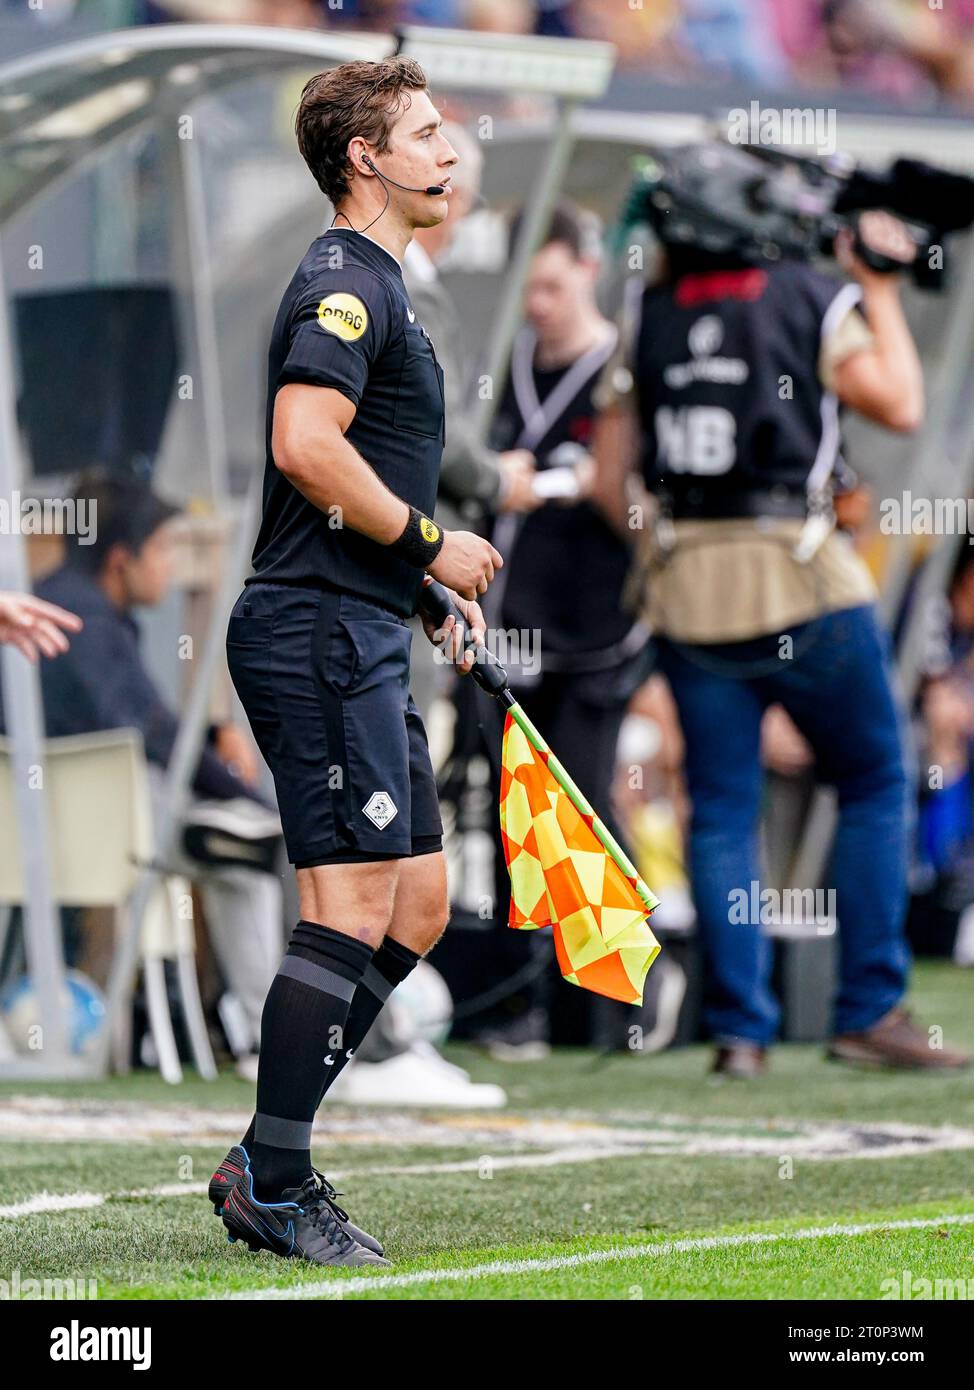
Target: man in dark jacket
[{"x": 101, "y": 682}]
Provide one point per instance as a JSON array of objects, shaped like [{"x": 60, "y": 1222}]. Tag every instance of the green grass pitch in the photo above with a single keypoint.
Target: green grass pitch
[{"x": 619, "y": 1178}]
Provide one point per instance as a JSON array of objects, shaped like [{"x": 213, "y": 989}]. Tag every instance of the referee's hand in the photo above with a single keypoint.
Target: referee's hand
[
  {"x": 449, "y": 637},
  {"x": 466, "y": 563}
]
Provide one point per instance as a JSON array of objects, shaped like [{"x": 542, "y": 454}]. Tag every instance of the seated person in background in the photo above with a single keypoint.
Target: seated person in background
[{"x": 101, "y": 682}]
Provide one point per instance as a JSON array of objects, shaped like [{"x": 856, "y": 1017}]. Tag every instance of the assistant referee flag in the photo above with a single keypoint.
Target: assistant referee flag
[{"x": 565, "y": 875}]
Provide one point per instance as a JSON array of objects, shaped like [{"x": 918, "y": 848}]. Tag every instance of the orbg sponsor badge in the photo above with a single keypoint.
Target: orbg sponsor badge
[{"x": 344, "y": 315}]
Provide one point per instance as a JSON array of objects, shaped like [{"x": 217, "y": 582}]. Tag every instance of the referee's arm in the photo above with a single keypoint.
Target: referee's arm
[{"x": 311, "y": 450}]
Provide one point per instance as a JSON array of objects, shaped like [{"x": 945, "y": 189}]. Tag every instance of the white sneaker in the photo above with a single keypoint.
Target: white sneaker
[
  {"x": 246, "y": 1067},
  {"x": 964, "y": 940},
  {"x": 414, "y": 1078},
  {"x": 421, "y": 1048}
]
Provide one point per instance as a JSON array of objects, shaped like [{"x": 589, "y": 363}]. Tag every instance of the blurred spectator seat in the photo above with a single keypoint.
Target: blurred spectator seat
[{"x": 100, "y": 819}]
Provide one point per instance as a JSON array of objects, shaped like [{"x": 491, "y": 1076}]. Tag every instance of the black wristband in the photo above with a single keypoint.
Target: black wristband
[{"x": 420, "y": 542}]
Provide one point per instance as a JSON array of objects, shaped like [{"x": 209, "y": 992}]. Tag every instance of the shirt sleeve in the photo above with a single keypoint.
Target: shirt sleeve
[
  {"x": 851, "y": 334},
  {"x": 833, "y": 305},
  {"x": 341, "y": 322}
]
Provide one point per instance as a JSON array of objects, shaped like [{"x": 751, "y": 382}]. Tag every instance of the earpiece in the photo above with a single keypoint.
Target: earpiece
[{"x": 434, "y": 189}]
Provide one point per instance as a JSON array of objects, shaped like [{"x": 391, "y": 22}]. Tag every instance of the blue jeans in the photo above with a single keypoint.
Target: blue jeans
[{"x": 837, "y": 689}]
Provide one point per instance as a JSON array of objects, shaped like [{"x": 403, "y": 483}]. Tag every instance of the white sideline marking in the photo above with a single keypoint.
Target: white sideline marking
[
  {"x": 52, "y": 1201},
  {"x": 338, "y": 1288},
  {"x": 565, "y": 1154},
  {"x": 77, "y": 1201}
]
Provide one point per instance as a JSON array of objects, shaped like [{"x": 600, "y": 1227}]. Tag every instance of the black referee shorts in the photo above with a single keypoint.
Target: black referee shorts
[{"x": 324, "y": 678}]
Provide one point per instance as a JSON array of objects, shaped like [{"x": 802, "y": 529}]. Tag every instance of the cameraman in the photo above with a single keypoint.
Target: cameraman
[{"x": 728, "y": 393}]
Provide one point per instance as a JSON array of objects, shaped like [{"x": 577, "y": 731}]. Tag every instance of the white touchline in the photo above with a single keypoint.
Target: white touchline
[
  {"x": 76, "y": 1201},
  {"x": 338, "y": 1288},
  {"x": 52, "y": 1201},
  {"x": 567, "y": 1154}
]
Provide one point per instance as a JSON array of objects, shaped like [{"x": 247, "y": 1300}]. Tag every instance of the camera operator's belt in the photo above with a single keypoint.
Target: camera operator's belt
[{"x": 725, "y": 505}]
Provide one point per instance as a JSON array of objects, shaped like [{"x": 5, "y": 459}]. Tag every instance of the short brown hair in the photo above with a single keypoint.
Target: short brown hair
[{"x": 359, "y": 98}]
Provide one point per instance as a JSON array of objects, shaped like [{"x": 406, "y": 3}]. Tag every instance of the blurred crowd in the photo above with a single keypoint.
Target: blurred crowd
[{"x": 897, "y": 50}]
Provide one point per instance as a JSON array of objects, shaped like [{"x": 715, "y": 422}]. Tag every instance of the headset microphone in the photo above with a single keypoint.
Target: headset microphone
[{"x": 433, "y": 189}]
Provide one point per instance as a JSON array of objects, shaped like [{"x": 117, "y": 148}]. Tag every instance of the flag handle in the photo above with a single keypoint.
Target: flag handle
[
  {"x": 435, "y": 602},
  {"x": 490, "y": 675}
]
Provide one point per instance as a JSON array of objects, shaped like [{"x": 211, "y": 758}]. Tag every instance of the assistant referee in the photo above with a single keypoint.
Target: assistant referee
[{"x": 318, "y": 642}]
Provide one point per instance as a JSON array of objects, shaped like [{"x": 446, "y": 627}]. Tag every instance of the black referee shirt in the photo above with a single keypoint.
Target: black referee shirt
[{"x": 346, "y": 322}]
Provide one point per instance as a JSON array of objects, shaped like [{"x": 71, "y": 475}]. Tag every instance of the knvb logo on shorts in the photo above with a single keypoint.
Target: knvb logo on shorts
[{"x": 380, "y": 809}]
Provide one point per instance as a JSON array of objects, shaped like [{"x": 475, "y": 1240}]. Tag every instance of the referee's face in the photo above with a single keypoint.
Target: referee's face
[{"x": 419, "y": 155}]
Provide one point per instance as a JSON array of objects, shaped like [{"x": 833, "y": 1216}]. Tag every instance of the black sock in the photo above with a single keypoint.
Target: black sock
[
  {"x": 304, "y": 1019},
  {"x": 388, "y": 968}
]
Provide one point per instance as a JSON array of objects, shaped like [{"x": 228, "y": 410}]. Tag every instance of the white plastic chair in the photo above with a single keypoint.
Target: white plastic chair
[{"x": 100, "y": 818}]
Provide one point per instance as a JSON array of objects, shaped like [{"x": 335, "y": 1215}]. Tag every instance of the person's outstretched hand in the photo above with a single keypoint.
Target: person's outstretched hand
[{"x": 33, "y": 625}]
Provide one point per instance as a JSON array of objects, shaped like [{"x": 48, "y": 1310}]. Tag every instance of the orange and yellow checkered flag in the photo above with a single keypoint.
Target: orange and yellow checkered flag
[{"x": 569, "y": 873}]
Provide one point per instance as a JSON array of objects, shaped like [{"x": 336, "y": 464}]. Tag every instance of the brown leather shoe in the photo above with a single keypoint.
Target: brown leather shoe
[
  {"x": 895, "y": 1041},
  {"x": 740, "y": 1060}
]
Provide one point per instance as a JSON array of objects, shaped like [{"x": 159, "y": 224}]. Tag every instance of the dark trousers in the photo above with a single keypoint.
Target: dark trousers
[{"x": 838, "y": 691}]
